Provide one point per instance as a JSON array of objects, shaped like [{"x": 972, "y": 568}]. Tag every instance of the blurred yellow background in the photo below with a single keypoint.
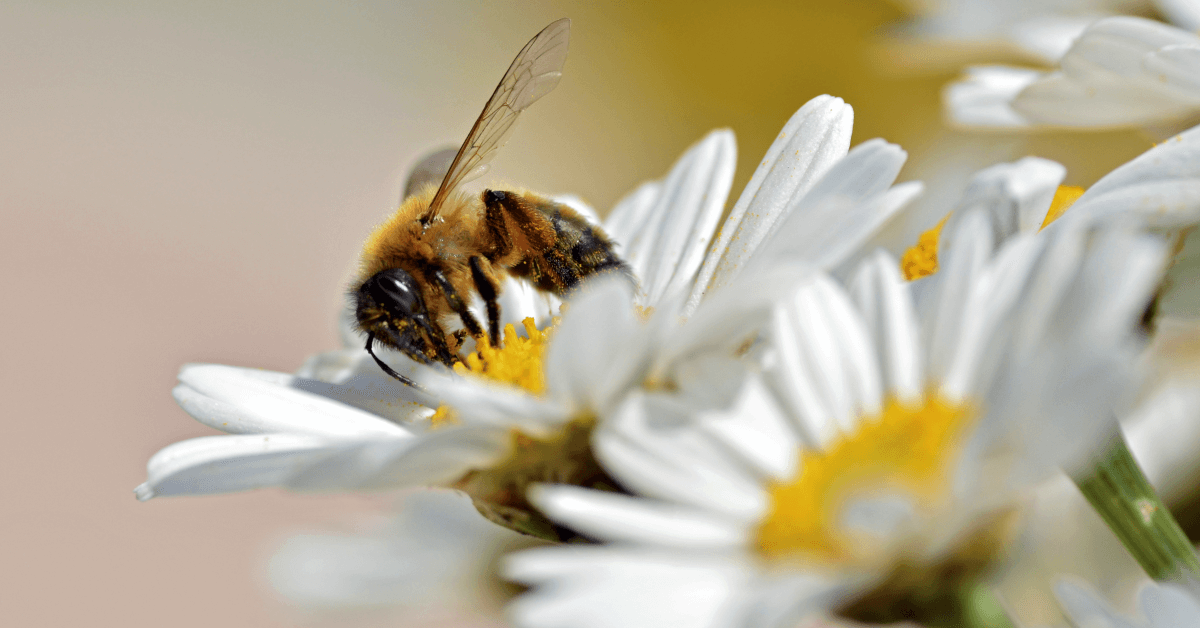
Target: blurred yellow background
[{"x": 190, "y": 182}]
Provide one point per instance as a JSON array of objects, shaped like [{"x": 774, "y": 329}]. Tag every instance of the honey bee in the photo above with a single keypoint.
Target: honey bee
[{"x": 443, "y": 246}]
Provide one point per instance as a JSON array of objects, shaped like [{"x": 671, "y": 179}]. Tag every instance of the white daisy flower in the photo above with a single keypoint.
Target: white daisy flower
[
  {"x": 1120, "y": 72},
  {"x": 1160, "y": 188},
  {"x": 816, "y": 200},
  {"x": 869, "y": 453},
  {"x": 1163, "y": 605},
  {"x": 951, "y": 31}
]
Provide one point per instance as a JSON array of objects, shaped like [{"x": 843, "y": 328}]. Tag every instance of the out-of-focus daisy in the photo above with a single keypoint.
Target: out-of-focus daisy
[
  {"x": 816, "y": 199},
  {"x": 1160, "y": 188},
  {"x": 1120, "y": 72},
  {"x": 947, "y": 32},
  {"x": 1163, "y": 605},
  {"x": 877, "y": 461}
]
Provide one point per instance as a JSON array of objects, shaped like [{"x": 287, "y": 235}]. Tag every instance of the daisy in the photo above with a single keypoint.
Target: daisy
[
  {"x": 811, "y": 200},
  {"x": 869, "y": 456},
  {"x": 1164, "y": 606},
  {"x": 1120, "y": 72},
  {"x": 1160, "y": 188},
  {"x": 946, "y": 32}
]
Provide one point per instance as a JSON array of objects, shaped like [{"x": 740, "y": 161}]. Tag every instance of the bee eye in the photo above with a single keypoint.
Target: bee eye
[{"x": 396, "y": 291}]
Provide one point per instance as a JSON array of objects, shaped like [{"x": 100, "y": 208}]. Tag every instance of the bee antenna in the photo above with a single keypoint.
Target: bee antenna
[{"x": 389, "y": 370}]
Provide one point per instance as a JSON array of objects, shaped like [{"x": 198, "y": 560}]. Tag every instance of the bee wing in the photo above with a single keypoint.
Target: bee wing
[{"x": 533, "y": 74}]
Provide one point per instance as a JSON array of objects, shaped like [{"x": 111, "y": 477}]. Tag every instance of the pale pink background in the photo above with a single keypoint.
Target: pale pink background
[{"x": 184, "y": 184}]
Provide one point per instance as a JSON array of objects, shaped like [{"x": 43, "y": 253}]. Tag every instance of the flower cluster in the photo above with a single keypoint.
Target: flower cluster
[{"x": 777, "y": 422}]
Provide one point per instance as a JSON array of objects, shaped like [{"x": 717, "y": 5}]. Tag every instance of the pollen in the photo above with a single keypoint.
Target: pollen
[
  {"x": 1064, "y": 197},
  {"x": 921, "y": 260},
  {"x": 908, "y": 450},
  {"x": 518, "y": 362}
]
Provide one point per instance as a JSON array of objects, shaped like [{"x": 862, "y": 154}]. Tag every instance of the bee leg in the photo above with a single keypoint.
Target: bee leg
[
  {"x": 387, "y": 369},
  {"x": 438, "y": 338},
  {"x": 487, "y": 289},
  {"x": 456, "y": 303}
]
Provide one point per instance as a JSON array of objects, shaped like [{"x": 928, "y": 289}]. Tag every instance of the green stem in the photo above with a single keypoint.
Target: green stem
[{"x": 1120, "y": 492}]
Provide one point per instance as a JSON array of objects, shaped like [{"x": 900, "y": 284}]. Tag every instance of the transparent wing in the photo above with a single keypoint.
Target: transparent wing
[{"x": 533, "y": 74}]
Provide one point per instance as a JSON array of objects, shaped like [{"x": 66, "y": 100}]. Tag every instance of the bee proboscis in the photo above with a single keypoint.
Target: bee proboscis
[{"x": 442, "y": 245}]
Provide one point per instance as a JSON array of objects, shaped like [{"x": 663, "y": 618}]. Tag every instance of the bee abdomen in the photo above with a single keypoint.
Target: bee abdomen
[{"x": 561, "y": 247}]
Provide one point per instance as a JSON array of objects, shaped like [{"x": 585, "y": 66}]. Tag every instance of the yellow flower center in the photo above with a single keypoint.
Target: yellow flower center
[
  {"x": 921, "y": 260},
  {"x": 1064, "y": 197},
  {"x": 907, "y": 450},
  {"x": 518, "y": 362}
]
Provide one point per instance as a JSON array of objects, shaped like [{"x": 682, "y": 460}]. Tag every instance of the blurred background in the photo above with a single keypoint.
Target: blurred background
[{"x": 188, "y": 182}]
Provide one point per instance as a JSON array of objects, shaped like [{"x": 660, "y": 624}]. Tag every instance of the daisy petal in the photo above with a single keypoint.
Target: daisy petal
[
  {"x": 441, "y": 456},
  {"x": 756, "y": 430},
  {"x": 252, "y": 401},
  {"x": 611, "y": 517},
  {"x": 225, "y": 464},
  {"x": 1169, "y": 605},
  {"x": 984, "y": 97},
  {"x": 1161, "y": 185},
  {"x": 1085, "y": 608},
  {"x": 673, "y": 464},
  {"x": 594, "y": 352},
  {"x": 883, "y": 297},
  {"x": 676, "y": 234},
  {"x": 811, "y": 142},
  {"x": 1016, "y": 196},
  {"x": 624, "y": 223},
  {"x": 655, "y": 589},
  {"x": 850, "y": 202}
]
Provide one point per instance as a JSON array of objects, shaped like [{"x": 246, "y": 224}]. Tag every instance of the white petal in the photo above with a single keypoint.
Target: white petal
[
  {"x": 757, "y": 430},
  {"x": 677, "y": 231},
  {"x": 985, "y": 95},
  {"x": 1116, "y": 74},
  {"x": 815, "y": 137},
  {"x": 611, "y": 517},
  {"x": 481, "y": 402},
  {"x": 674, "y": 465},
  {"x": 626, "y": 224},
  {"x": 1049, "y": 36},
  {"x": 859, "y": 355},
  {"x": 440, "y": 456},
  {"x": 253, "y": 401},
  {"x": 963, "y": 256},
  {"x": 1016, "y": 196},
  {"x": 655, "y": 589},
  {"x": 1161, "y": 185},
  {"x": 1169, "y": 606},
  {"x": 598, "y": 349},
  {"x": 988, "y": 305},
  {"x": 794, "y": 379},
  {"x": 1085, "y": 608},
  {"x": 225, "y": 464},
  {"x": 883, "y": 297},
  {"x": 729, "y": 316},
  {"x": 850, "y": 202},
  {"x": 1183, "y": 13}
]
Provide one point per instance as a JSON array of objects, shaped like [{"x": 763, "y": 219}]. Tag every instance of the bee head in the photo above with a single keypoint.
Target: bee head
[
  {"x": 391, "y": 310},
  {"x": 395, "y": 292}
]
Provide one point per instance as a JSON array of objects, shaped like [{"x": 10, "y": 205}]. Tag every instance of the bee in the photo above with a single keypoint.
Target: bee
[{"x": 442, "y": 246}]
